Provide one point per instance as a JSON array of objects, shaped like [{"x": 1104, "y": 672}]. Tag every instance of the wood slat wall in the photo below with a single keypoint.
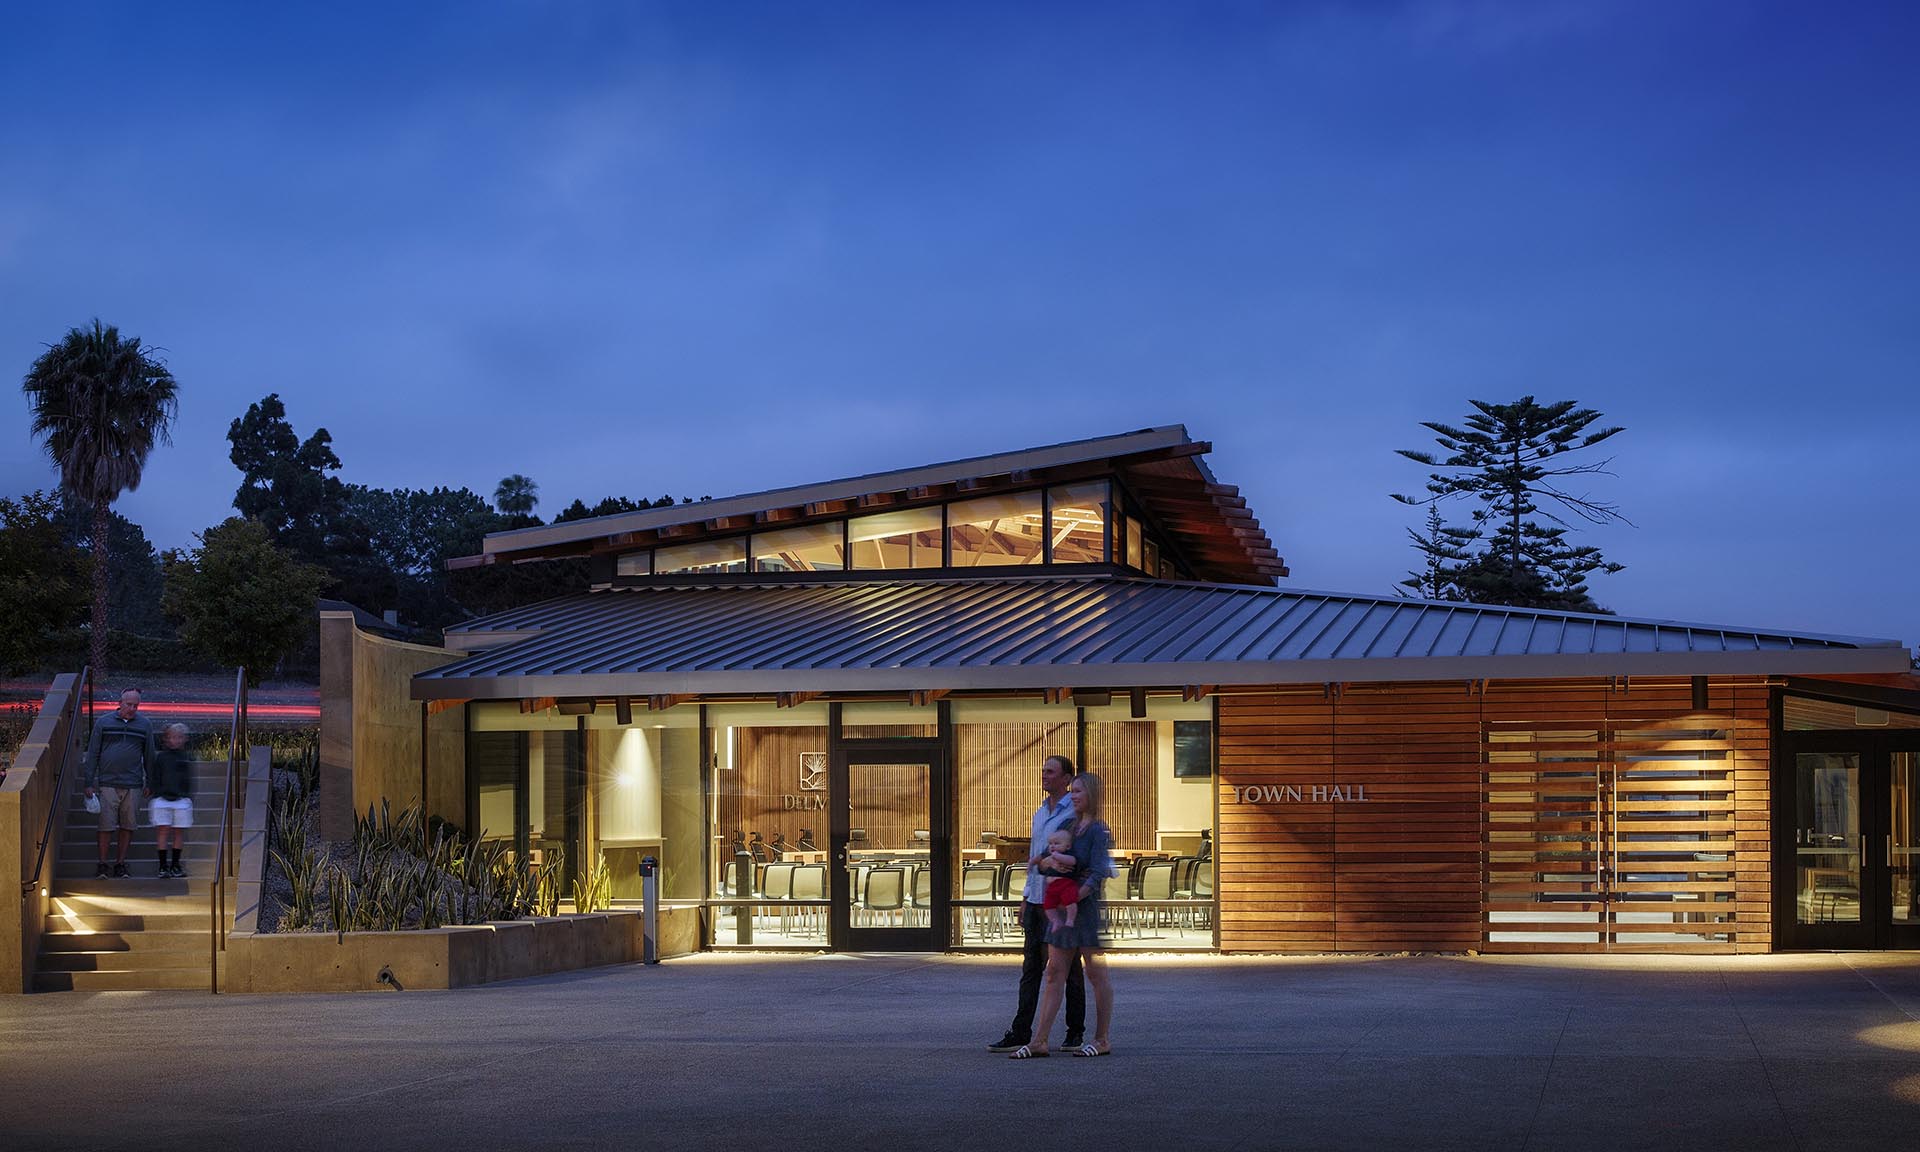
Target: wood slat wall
[{"x": 1495, "y": 801}]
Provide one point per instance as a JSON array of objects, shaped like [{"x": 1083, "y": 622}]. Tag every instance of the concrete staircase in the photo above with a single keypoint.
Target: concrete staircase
[{"x": 138, "y": 933}]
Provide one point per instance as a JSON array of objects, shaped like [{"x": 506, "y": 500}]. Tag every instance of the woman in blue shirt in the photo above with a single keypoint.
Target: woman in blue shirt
[{"x": 1093, "y": 864}]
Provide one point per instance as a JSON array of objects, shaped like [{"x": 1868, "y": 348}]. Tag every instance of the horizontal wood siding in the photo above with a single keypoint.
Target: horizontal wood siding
[{"x": 1448, "y": 817}]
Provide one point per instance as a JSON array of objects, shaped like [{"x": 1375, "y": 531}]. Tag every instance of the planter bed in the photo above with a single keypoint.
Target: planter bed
[{"x": 452, "y": 957}]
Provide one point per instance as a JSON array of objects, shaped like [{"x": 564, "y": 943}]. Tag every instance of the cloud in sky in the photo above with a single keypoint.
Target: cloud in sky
[{"x": 646, "y": 248}]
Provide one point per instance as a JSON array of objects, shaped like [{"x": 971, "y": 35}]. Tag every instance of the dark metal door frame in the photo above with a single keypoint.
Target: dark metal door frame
[
  {"x": 931, "y": 751},
  {"x": 1875, "y": 928}
]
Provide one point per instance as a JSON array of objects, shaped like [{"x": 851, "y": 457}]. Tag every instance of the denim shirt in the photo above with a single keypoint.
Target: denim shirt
[{"x": 1049, "y": 817}]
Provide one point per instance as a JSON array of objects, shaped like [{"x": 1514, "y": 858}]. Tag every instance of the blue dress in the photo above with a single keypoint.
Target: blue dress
[{"x": 1092, "y": 863}]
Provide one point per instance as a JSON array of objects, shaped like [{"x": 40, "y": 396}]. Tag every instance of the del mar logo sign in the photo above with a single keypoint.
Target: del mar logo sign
[{"x": 1298, "y": 794}]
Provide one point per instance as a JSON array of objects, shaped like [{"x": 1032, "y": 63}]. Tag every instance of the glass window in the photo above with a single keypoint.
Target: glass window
[
  {"x": 1133, "y": 542},
  {"x": 634, "y": 564},
  {"x": 1800, "y": 713},
  {"x": 1162, "y": 818},
  {"x": 645, "y": 781},
  {"x": 896, "y": 540},
  {"x": 1079, "y": 522},
  {"x": 812, "y": 548},
  {"x": 703, "y": 557},
  {"x": 1150, "y": 564},
  {"x": 770, "y": 824},
  {"x": 996, "y": 530}
]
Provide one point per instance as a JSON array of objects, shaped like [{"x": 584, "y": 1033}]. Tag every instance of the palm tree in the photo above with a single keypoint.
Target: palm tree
[
  {"x": 516, "y": 495},
  {"x": 99, "y": 404}
]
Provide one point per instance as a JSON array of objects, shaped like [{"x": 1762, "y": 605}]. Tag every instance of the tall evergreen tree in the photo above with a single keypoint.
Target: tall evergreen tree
[
  {"x": 100, "y": 404},
  {"x": 1508, "y": 460}
]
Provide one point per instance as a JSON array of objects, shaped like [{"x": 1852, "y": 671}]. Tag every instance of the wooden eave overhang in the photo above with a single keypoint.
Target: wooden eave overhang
[{"x": 1205, "y": 522}]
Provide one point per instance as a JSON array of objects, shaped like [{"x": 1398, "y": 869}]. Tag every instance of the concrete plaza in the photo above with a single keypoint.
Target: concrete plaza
[{"x": 852, "y": 1052}]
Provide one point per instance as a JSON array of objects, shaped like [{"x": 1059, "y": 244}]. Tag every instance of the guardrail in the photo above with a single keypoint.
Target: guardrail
[
  {"x": 225, "y": 864},
  {"x": 77, "y": 710}
]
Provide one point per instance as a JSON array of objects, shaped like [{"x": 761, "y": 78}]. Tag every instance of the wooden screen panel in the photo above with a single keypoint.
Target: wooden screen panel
[
  {"x": 1273, "y": 875},
  {"x": 1752, "y": 740},
  {"x": 1634, "y": 822},
  {"x": 1545, "y": 821},
  {"x": 997, "y": 766},
  {"x": 1489, "y": 815},
  {"x": 1406, "y": 860},
  {"x": 1122, "y": 753}
]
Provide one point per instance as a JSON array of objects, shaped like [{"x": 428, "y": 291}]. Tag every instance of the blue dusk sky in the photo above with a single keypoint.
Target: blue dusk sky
[{"x": 707, "y": 248}]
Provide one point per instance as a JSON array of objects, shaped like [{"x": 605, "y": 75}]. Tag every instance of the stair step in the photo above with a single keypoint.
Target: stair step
[
  {"x": 73, "y": 851},
  {"x": 153, "y": 940},
  {"x": 67, "y": 873},
  {"x": 108, "y": 961},
  {"x": 128, "y": 921},
  {"x": 130, "y": 903},
  {"x": 198, "y": 884},
  {"x": 145, "y": 980}
]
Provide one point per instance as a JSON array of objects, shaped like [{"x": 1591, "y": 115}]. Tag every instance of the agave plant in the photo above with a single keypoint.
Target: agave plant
[
  {"x": 305, "y": 871},
  {"x": 547, "y": 886},
  {"x": 594, "y": 890},
  {"x": 340, "y": 901}
]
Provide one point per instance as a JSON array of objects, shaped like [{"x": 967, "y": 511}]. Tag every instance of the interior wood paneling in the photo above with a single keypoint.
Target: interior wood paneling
[
  {"x": 998, "y": 768},
  {"x": 767, "y": 768},
  {"x": 1122, "y": 753}
]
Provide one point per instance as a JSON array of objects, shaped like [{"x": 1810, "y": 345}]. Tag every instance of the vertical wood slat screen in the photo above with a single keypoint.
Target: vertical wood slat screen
[{"x": 1489, "y": 815}]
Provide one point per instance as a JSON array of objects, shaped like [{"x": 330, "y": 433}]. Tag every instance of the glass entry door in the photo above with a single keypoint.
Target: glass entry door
[
  {"x": 1851, "y": 843},
  {"x": 1829, "y": 852},
  {"x": 890, "y": 848}
]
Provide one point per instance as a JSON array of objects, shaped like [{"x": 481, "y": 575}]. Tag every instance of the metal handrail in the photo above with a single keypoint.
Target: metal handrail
[
  {"x": 224, "y": 865},
  {"x": 74, "y": 716}
]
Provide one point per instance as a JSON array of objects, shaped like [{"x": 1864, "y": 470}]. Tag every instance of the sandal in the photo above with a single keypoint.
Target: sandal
[
  {"x": 1027, "y": 1052},
  {"x": 1090, "y": 1050}
]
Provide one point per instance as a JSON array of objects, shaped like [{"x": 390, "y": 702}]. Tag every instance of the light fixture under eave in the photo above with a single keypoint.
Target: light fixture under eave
[
  {"x": 623, "y": 710},
  {"x": 575, "y": 706}
]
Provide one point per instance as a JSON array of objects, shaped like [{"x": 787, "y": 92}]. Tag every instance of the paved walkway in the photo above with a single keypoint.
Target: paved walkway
[{"x": 854, "y": 1052}]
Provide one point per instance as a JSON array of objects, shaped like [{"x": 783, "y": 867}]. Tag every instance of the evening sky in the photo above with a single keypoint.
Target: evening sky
[{"x": 700, "y": 249}]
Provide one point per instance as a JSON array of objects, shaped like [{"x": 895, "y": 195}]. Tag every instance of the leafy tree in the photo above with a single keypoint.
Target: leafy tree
[
  {"x": 516, "y": 496},
  {"x": 42, "y": 582},
  {"x": 133, "y": 599},
  {"x": 284, "y": 481},
  {"x": 1508, "y": 460},
  {"x": 611, "y": 506},
  {"x": 240, "y": 600},
  {"x": 413, "y": 533},
  {"x": 100, "y": 404}
]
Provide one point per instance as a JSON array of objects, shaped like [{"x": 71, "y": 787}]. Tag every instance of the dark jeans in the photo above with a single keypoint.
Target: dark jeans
[{"x": 1033, "y": 970}]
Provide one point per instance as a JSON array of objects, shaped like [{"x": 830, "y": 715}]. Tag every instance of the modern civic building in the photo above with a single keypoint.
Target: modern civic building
[{"x": 824, "y": 708}]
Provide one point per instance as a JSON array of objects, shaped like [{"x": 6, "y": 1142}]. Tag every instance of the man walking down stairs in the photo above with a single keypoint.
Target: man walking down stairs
[{"x": 141, "y": 931}]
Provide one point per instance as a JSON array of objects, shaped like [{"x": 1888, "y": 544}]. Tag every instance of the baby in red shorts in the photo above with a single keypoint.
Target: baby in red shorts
[{"x": 1061, "y": 899}]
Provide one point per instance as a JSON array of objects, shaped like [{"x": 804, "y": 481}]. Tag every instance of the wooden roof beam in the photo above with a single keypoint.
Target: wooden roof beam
[
  {"x": 921, "y": 697},
  {"x": 879, "y": 499},
  {"x": 777, "y": 515},
  {"x": 828, "y": 507},
  {"x": 435, "y": 707},
  {"x": 793, "y": 699},
  {"x": 660, "y": 702}
]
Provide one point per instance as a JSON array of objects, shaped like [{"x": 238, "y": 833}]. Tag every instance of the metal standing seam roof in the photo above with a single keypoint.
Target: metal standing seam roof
[{"x": 1075, "y": 632}]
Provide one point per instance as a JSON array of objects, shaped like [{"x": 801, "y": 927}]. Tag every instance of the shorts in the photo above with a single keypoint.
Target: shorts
[
  {"x": 1061, "y": 892},
  {"x": 118, "y": 809},
  {"x": 172, "y": 813}
]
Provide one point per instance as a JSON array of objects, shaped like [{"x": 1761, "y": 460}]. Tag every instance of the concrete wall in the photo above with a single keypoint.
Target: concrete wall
[
  {"x": 454, "y": 957},
  {"x": 370, "y": 729},
  {"x": 25, "y": 796}
]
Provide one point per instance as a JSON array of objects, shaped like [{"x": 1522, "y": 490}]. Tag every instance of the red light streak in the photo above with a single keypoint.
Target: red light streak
[{"x": 254, "y": 711}]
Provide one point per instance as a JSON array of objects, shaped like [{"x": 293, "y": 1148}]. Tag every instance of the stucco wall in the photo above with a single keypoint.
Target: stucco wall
[
  {"x": 24, "y": 798},
  {"x": 370, "y": 730}
]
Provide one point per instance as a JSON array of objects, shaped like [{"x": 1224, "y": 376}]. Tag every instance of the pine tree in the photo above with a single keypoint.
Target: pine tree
[
  {"x": 1508, "y": 460},
  {"x": 1443, "y": 549}
]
